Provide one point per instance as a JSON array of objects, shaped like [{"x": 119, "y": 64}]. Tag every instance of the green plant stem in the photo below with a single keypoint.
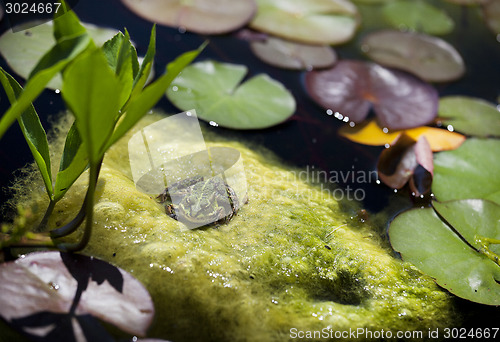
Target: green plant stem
[
  {"x": 73, "y": 224},
  {"x": 89, "y": 211},
  {"x": 48, "y": 212}
]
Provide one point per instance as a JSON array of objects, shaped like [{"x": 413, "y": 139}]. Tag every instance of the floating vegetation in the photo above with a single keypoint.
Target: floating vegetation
[
  {"x": 290, "y": 55},
  {"x": 215, "y": 90},
  {"x": 430, "y": 58},
  {"x": 201, "y": 16},
  {"x": 470, "y": 115},
  {"x": 418, "y": 15},
  {"x": 308, "y": 21},
  {"x": 351, "y": 88}
]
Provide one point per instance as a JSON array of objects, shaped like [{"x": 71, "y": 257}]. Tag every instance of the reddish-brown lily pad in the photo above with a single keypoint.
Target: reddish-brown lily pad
[
  {"x": 405, "y": 161},
  {"x": 430, "y": 58},
  {"x": 351, "y": 88},
  {"x": 54, "y": 291},
  {"x": 289, "y": 55},
  {"x": 201, "y": 16}
]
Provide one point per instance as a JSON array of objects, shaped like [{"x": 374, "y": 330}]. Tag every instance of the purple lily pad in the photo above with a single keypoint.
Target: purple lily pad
[
  {"x": 399, "y": 100},
  {"x": 290, "y": 55},
  {"x": 60, "y": 289},
  {"x": 430, "y": 58},
  {"x": 200, "y": 16}
]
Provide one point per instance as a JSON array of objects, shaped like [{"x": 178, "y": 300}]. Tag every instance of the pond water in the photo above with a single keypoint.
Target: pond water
[{"x": 308, "y": 139}]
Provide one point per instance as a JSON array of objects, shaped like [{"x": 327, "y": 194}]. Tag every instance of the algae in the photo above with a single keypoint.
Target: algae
[{"x": 291, "y": 261}]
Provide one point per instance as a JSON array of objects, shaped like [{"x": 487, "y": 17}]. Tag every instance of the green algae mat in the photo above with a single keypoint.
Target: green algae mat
[{"x": 289, "y": 263}]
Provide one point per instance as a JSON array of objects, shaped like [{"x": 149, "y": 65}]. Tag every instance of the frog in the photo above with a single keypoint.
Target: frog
[{"x": 200, "y": 202}]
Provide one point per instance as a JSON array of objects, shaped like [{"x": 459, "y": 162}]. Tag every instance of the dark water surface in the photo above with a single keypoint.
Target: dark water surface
[{"x": 309, "y": 138}]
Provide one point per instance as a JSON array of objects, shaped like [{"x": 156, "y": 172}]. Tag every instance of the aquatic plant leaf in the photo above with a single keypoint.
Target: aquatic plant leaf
[
  {"x": 201, "y": 16},
  {"x": 417, "y": 15},
  {"x": 430, "y": 58},
  {"x": 74, "y": 161},
  {"x": 370, "y": 133},
  {"x": 470, "y": 115},
  {"x": 94, "y": 95},
  {"x": 66, "y": 23},
  {"x": 399, "y": 100},
  {"x": 407, "y": 160},
  {"x": 471, "y": 171},
  {"x": 143, "y": 102},
  {"x": 144, "y": 71},
  {"x": 32, "y": 130},
  {"x": 23, "y": 49},
  {"x": 214, "y": 90},
  {"x": 437, "y": 250},
  {"x": 59, "y": 56},
  {"x": 122, "y": 58},
  {"x": 40, "y": 286},
  {"x": 290, "y": 55},
  {"x": 491, "y": 13},
  {"x": 307, "y": 21}
]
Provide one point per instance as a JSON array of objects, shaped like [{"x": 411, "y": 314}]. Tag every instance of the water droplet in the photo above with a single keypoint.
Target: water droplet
[
  {"x": 151, "y": 265},
  {"x": 329, "y": 112},
  {"x": 450, "y": 128},
  {"x": 385, "y": 130},
  {"x": 395, "y": 190},
  {"x": 346, "y": 119},
  {"x": 57, "y": 91},
  {"x": 352, "y": 124},
  {"x": 378, "y": 181},
  {"x": 213, "y": 123},
  {"x": 182, "y": 29},
  {"x": 387, "y": 145},
  {"x": 175, "y": 88}
]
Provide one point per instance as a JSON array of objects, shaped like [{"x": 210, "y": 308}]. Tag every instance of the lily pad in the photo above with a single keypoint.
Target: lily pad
[
  {"x": 23, "y": 49},
  {"x": 308, "y": 21},
  {"x": 290, "y": 55},
  {"x": 201, "y": 16},
  {"x": 405, "y": 161},
  {"x": 417, "y": 15},
  {"x": 214, "y": 90},
  {"x": 57, "y": 288},
  {"x": 471, "y": 171},
  {"x": 430, "y": 58},
  {"x": 470, "y": 115},
  {"x": 436, "y": 249},
  {"x": 399, "y": 100},
  {"x": 491, "y": 12}
]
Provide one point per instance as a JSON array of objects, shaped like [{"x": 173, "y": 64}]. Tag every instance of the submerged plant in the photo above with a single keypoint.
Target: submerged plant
[{"x": 104, "y": 89}]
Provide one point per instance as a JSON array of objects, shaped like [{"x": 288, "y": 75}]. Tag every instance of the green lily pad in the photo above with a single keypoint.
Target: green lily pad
[
  {"x": 307, "y": 21},
  {"x": 436, "y": 249},
  {"x": 417, "y": 15},
  {"x": 470, "y": 115},
  {"x": 471, "y": 171},
  {"x": 22, "y": 49},
  {"x": 290, "y": 55},
  {"x": 430, "y": 58},
  {"x": 201, "y": 16},
  {"x": 214, "y": 90}
]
